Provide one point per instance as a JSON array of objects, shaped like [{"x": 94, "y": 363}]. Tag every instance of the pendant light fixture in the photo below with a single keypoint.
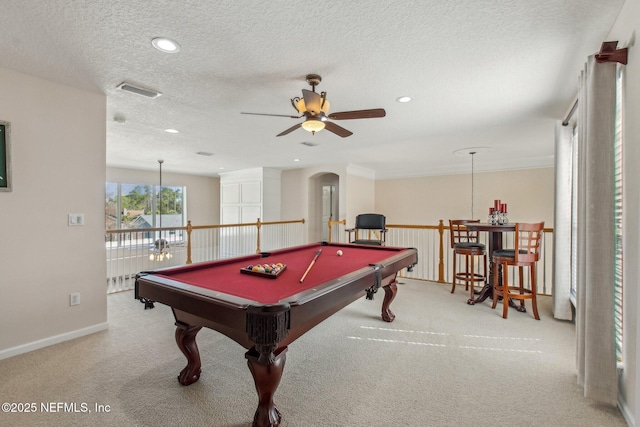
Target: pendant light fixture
[
  {"x": 472, "y": 151},
  {"x": 160, "y": 248}
]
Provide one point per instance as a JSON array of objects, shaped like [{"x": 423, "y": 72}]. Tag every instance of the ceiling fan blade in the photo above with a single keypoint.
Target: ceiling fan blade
[
  {"x": 312, "y": 101},
  {"x": 358, "y": 114},
  {"x": 338, "y": 130},
  {"x": 273, "y": 115},
  {"x": 291, "y": 129}
]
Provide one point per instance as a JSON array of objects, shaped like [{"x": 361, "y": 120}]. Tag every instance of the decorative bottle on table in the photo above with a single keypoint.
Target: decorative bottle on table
[
  {"x": 503, "y": 219},
  {"x": 498, "y": 213},
  {"x": 492, "y": 217}
]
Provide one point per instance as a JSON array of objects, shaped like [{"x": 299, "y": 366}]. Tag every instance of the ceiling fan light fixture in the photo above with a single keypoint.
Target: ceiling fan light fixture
[
  {"x": 315, "y": 107},
  {"x": 313, "y": 125},
  {"x": 302, "y": 108}
]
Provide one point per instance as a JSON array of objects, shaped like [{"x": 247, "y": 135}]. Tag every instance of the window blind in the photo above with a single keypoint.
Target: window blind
[{"x": 618, "y": 217}]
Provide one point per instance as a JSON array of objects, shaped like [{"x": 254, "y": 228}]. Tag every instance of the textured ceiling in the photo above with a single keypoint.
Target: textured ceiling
[{"x": 481, "y": 74}]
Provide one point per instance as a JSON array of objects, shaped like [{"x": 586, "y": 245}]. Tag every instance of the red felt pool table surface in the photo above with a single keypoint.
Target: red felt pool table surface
[{"x": 225, "y": 276}]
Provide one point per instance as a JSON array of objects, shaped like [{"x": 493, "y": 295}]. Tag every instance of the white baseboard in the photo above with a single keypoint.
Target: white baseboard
[
  {"x": 56, "y": 339},
  {"x": 624, "y": 409}
]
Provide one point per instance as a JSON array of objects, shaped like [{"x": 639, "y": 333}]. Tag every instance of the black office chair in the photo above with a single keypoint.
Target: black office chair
[{"x": 374, "y": 225}]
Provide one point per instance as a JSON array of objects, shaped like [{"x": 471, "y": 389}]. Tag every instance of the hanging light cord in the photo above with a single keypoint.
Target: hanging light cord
[
  {"x": 472, "y": 154},
  {"x": 160, "y": 198}
]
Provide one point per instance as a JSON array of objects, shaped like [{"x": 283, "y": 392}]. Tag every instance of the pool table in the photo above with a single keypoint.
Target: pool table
[{"x": 265, "y": 314}]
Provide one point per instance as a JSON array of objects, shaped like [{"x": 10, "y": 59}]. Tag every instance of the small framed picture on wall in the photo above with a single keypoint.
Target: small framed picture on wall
[{"x": 5, "y": 156}]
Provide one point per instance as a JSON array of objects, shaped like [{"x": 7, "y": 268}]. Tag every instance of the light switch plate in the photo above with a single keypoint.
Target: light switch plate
[
  {"x": 76, "y": 219},
  {"x": 74, "y": 298}
]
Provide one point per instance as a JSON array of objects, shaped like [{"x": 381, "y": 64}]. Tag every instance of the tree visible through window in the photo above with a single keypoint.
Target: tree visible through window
[{"x": 134, "y": 206}]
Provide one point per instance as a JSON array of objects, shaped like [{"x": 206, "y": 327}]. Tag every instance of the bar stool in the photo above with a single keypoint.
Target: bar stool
[
  {"x": 525, "y": 254},
  {"x": 464, "y": 242}
]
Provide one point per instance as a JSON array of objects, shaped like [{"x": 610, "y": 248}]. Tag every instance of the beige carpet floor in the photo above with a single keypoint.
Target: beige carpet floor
[{"x": 440, "y": 363}]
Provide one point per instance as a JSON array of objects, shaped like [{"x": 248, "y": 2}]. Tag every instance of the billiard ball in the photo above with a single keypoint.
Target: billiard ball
[{"x": 339, "y": 252}]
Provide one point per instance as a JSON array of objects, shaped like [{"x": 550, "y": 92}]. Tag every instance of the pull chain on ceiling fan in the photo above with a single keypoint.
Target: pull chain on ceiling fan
[{"x": 315, "y": 108}]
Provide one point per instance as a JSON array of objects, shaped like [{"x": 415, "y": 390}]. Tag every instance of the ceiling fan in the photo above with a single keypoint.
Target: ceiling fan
[{"x": 314, "y": 108}]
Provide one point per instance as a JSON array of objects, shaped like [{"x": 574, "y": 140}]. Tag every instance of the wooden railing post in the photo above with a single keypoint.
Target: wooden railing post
[
  {"x": 441, "y": 254},
  {"x": 189, "y": 229},
  {"x": 331, "y": 223},
  {"x": 258, "y": 224}
]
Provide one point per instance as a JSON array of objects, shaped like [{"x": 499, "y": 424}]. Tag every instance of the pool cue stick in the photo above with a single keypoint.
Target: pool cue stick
[{"x": 313, "y": 261}]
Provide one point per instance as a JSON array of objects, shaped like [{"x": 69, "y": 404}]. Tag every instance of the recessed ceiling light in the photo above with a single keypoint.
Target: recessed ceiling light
[
  {"x": 171, "y": 131},
  {"x": 166, "y": 45},
  {"x": 296, "y": 160},
  {"x": 404, "y": 99}
]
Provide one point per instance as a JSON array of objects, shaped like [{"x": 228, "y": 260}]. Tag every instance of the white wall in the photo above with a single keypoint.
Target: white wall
[
  {"x": 300, "y": 198},
  {"x": 360, "y": 194},
  {"x": 625, "y": 31},
  {"x": 203, "y": 192},
  {"x": 426, "y": 200},
  {"x": 58, "y": 158},
  {"x": 294, "y": 195},
  {"x": 356, "y": 194}
]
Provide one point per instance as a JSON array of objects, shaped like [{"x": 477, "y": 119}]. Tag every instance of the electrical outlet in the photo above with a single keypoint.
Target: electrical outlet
[{"x": 74, "y": 298}]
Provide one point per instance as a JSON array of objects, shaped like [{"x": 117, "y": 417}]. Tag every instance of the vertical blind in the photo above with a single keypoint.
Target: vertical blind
[
  {"x": 617, "y": 213},
  {"x": 574, "y": 215}
]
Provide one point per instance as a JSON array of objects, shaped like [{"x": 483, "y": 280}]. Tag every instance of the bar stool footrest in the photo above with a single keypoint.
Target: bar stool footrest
[{"x": 467, "y": 277}]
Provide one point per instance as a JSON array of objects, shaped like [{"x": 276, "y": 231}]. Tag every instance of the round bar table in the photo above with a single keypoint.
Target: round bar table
[{"x": 495, "y": 243}]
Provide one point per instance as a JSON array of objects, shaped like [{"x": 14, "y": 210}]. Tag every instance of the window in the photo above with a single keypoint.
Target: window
[{"x": 131, "y": 206}]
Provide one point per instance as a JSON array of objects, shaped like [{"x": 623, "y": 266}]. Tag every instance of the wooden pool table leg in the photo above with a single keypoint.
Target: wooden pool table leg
[
  {"x": 186, "y": 339},
  {"x": 390, "y": 292},
  {"x": 267, "y": 378}
]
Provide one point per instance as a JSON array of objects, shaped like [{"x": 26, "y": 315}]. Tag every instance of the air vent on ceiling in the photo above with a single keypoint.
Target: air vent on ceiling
[{"x": 148, "y": 93}]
